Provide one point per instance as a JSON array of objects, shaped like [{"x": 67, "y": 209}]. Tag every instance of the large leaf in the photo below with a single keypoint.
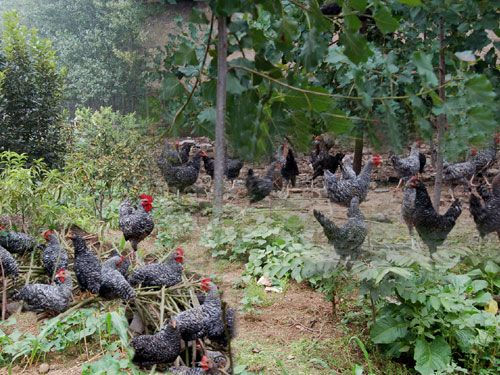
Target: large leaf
[
  {"x": 481, "y": 87},
  {"x": 423, "y": 63},
  {"x": 387, "y": 330},
  {"x": 356, "y": 47},
  {"x": 413, "y": 3},
  {"x": 384, "y": 20},
  {"x": 185, "y": 55},
  {"x": 431, "y": 357},
  {"x": 314, "y": 49},
  {"x": 171, "y": 87}
]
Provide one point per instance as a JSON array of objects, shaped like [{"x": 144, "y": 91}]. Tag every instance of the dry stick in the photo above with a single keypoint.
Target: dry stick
[
  {"x": 4, "y": 292},
  {"x": 162, "y": 305}
]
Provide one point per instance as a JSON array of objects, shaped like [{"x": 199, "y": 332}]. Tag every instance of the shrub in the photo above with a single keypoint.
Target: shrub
[{"x": 31, "y": 92}]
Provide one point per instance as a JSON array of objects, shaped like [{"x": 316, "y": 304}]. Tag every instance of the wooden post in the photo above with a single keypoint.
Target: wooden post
[
  {"x": 441, "y": 120},
  {"x": 220, "y": 115}
]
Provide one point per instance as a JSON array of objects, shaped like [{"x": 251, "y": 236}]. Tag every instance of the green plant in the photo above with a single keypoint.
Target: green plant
[
  {"x": 56, "y": 335},
  {"x": 31, "y": 94},
  {"x": 274, "y": 246},
  {"x": 435, "y": 314},
  {"x": 255, "y": 296}
]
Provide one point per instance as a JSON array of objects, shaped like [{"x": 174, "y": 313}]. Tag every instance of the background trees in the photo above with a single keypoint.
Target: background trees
[{"x": 31, "y": 93}]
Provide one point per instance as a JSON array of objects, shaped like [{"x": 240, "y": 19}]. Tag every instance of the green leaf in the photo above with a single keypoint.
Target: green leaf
[
  {"x": 384, "y": 20},
  {"x": 171, "y": 87},
  {"x": 412, "y": 3},
  {"x": 431, "y": 357},
  {"x": 313, "y": 49},
  {"x": 352, "y": 23},
  {"x": 423, "y": 63},
  {"x": 198, "y": 15},
  {"x": 481, "y": 87},
  {"x": 358, "y": 4},
  {"x": 467, "y": 56},
  {"x": 336, "y": 121},
  {"x": 185, "y": 55},
  {"x": 491, "y": 268},
  {"x": 207, "y": 115},
  {"x": 233, "y": 85},
  {"x": 387, "y": 330},
  {"x": 356, "y": 47}
]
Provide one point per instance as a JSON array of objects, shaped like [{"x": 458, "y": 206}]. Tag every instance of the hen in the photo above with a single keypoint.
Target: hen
[
  {"x": 168, "y": 273},
  {"x": 259, "y": 187},
  {"x": 459, "y": 173},
  {"x": 182, "y": 176},
  {"x": 407, "y": 167},
  {"x": 162, "y": 347},
  {"x": 342, "y": 191},
  {"x": 123, "y": 262},
  {"x": 44, "y": 297},
  {"x": 136, "y": 223},
  {"x": 9, "y": 264},
  {"x": 113, "y": 283},
  {"x": 232, "y": 168},
  {"x": 327, "y": 162},
  {"x": 432, "y": 227},
  {"x": 174, "y": 157},
  {"x": 54, "y": 256},
  {"x": 87, "y": 266},
  {"x": 207, "y": 366},
  {"x": 486, "y": 158},
  {"x": 16, "y": 243},
  {"x": 486, "y": 214},
  {"x": 408, "y": 207},
  {"x": 346, "y": 167},
  {"x": 347, "y": 239}
]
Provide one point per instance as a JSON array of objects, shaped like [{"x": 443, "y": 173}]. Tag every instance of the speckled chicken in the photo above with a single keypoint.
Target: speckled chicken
[
  {"x": 207, "y": 366},
  {"x": 169, "y": 157},
  {"x": 9, "y": 264},
  {"x": 432, "y": 227},
  {"x": 487, "y": 157},
  {"x": 486, "y": 213},
  {"x": 122, "y": 262},
  {"x": 259, "y": 187},
  {"x": 346, "y": 168},
  {"x": 54, "y": 256},
  {"x": 182, "y": 176},
  {"x": 113, "y": 283},
  {"x": 408, "y": 207},
  {"x": 15, "y": 242},
  {"x": 44, "y": 297},
  {"x": 348, "y": 238},
  {"x": 221, "y": 331},
  {"x": 459, "y": 173},
  {"x": 409, "y": 166},
  {"x": 168, "y": 273},
  {"x": 87, "y": 266},
  {"x": 162, "y": 347},
  {"x": 136, "y": 222},
  {"x": 342, "y": 191}
]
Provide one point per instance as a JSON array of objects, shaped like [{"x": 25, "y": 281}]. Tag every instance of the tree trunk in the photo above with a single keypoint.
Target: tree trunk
[
  {"x": 441, "y": 120},
  {"x": 358, "y": 152},
  {"x": 220, "y": 115}
]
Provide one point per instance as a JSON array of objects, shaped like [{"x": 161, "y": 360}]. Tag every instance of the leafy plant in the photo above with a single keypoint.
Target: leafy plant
[
  {"x": 109, "y": 328},
  {"x": 436, "y": 315},
  {"x": 255, "y": 296},
  {"x": 273, "y": 246}
]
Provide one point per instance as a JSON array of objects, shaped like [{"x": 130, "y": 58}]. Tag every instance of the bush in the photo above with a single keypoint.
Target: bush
[{"x": 31, "y": 92}]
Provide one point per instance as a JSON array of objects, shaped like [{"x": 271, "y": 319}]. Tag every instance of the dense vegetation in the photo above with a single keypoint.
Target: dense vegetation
[{"x": 383, "y": 72}]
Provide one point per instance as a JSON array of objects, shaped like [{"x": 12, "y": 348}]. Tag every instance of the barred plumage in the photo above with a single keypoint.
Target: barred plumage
[
  {"x": 9, "y": 264},
  {"x": 162, "y": 347},
  {"x": 87, "y": 266},
  {"x": 54, "y": 256},
  {"x": 167, "y": 274}
]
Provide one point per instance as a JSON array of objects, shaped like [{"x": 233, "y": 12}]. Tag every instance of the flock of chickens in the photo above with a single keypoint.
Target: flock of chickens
[
  {"x": 210, "y": 319},
  {"x": 111, "y": 279}
]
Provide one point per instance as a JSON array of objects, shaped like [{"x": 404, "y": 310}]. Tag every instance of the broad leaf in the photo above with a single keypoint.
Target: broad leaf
[
  {"x": 413, "y": 3},
  {"x": 423, "y": 63},
  {"x": 385, "y": 21},
  {"x": 356, "y": 47},
  {"x": 431, "y": 357},
  {"x": 387, "y": 330}
]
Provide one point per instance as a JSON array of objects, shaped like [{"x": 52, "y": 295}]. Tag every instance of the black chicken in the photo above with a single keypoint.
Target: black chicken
[
  {"x": 54, "y": 256},
  {"x": 289, "y": 170},
  {"x": 168, "y": 273},
  {"x": 44, "y": 297},
  {"x": 432, "y": 227},
  {"x": 408, "y": 208},
  {"x": 162, "y": 347},
  {"x": 87, "y": 266},
  {"x": 327, "y": 162},
  {"x": 184, "y": 175},
  {"x": 347, "y": 239},
  {"x": 232, "y": 170},
  {"x": 16, "y": 243},
  {"x": 136, "y": 223},
  {"x": 259, "y": 187},
  {"x": 486, "y": 214},
  {"x": 113, "y": 283},
  {"x": 170, "y": 157},
  {"x": 9, "y": 264},
  {"x": 331, "y": 9}
]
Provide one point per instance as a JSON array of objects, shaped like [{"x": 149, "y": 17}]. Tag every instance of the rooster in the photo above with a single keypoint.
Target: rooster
[
  {"x": 162, "y": 347},
  {"x": 182, "y": 176},
  {"x": 44, "y": 297},
  {"x": 486, "y": 214},
  {"x": 54, "y": 256},
  {"x": 136, "y": 223},
  {"x": 347, "y": 239},
  {"x": 409, "y": 166},
  {"x": 113, "y": 283},
  {"x": 342, "y": 191},
  {"x": 289, "y": 170},
  {"x": 432, "y": 227},
  {"x": 260, "y": 187},
  {"x": 9, "y": 264},
  {"x": 168, "y": 273},
  {"x": 87, "y": 266},
  {"x": 16, "y": 243}
]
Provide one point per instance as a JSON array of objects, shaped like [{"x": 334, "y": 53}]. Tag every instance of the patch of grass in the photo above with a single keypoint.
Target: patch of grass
[{"x": 255, "y": 296}]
